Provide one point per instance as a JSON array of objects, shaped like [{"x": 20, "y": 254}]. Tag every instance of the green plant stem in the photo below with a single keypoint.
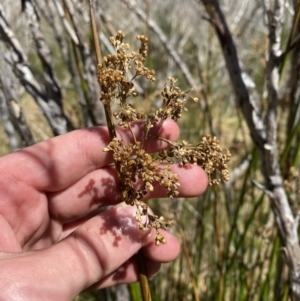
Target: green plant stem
[{"x": 143, "y": 278}]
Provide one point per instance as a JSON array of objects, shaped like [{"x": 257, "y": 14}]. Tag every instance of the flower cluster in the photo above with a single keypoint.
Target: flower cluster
[
  {"x": 112, "y": 76},
  {"x": 208, "y": 154},
  {"x": 138, "y": 171},
  {"x": 173, "y": 101},
  {"x": 136, "y": 165},
  {"x": 152, "y": 221}
]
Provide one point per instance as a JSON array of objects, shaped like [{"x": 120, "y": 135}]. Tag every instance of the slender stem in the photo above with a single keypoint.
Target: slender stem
[
  {"x": 95, "y": 34},
  {"x": 110, "y": 124},
  {"x": 107, "y": 108},
  {"x": 143, "y": 278},
  {"x": 133, "y": 136},
  {"x": 112, "y": 132}
]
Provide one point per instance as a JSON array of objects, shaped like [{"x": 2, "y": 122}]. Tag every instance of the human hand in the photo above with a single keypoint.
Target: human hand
[{"x": 54, "y": 240}]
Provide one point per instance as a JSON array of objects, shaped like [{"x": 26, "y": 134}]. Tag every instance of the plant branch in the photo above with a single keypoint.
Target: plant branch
[
  {"x": 263, "y": 134},
  {"x": 95, "y": 34},
  {"x": 18, "y": 60},
  {"x": 107, "y": 106}
]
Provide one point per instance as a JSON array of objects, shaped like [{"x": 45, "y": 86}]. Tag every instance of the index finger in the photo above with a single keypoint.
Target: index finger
[{"x": 55, "y": 164}]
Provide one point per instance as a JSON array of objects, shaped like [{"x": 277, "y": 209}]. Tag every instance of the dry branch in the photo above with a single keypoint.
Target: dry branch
[
  {"x": 84, "y": 64},
  {"x": 7, "y": 124},
  {"x": 16, "y": 113},
  {"x": 13, "y": 118},
  {"x": 51, "y": 83},
  {"x": 263, "y": 133},
  {"x": 62, "y": 39},
  {"x": 18, "y": 60}
]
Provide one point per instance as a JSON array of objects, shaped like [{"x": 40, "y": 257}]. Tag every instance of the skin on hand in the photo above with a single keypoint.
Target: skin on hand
[{"x": 55, "y": 238}]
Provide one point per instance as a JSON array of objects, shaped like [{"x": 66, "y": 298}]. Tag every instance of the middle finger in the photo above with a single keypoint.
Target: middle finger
[{"x": 100, "y": 188}]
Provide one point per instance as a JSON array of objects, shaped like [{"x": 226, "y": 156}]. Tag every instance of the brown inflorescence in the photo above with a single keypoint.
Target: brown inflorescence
[
  {"x": 138, "y": 171},
  {"x": 208, "y": 154}
]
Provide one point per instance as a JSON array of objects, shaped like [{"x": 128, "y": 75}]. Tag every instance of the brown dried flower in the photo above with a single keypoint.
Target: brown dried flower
[
  {"x": 139, "y": 172},
  {"x": 208, "y": 154}
]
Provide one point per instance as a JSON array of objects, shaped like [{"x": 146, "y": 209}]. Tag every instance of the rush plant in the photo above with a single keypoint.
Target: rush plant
[{"x": 138, "y": 171}]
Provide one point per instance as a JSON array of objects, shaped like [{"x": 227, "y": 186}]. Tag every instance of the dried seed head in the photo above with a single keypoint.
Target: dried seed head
[
  {"x": 159, "y": 238},
  {"x": 139, "y": 172},
  {"x": 209, "y": 154}
]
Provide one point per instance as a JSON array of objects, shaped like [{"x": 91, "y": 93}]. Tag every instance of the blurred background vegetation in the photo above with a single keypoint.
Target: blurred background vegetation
[{"x": 231, "y": 249}]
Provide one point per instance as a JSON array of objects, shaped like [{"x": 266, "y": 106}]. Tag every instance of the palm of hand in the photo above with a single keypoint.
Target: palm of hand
[{"x": 54, "y": 190}]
